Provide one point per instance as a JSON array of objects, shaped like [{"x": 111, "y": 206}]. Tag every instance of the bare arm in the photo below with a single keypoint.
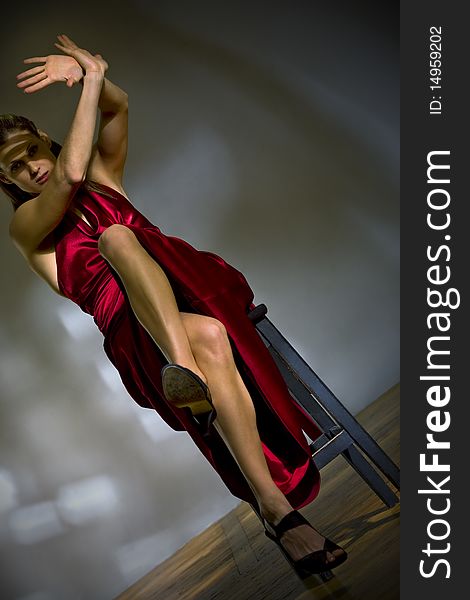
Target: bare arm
[
  {"x": 35, "y": 219},
  {"x": 110, "y": 151},
  {"x": 43, "y": 262}
]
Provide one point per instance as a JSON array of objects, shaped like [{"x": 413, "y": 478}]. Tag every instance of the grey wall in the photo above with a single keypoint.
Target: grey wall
[{"x": 265, "y": 132}]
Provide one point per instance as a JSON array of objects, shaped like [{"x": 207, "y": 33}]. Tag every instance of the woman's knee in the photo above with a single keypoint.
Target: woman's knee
[
  {"x": 115, "y": 241},
  {"x": 210, "y": 341}
]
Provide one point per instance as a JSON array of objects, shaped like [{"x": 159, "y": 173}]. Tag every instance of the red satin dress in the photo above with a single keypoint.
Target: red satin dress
[{"x": 203, "y": 283}]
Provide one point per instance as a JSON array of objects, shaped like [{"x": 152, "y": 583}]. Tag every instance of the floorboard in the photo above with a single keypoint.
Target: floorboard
[{"x": 233, "y": 559}]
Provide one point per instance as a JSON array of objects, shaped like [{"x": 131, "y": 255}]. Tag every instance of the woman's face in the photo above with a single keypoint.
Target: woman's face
[{"x": 26, "y": 160}]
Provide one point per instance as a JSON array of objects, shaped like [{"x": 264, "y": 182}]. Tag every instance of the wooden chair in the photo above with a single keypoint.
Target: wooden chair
[{"x": 342, "y": 434}]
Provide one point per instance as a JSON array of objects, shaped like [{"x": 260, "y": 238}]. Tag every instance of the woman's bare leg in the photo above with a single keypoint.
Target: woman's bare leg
[
  {"x": 149, "y": 293},
  {"x": 200, "y": 344},
  {"x": 236, "y": 423}
]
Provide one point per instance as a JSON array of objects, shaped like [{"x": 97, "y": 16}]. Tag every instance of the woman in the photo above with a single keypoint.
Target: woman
[{"x": 159, "y": 303}]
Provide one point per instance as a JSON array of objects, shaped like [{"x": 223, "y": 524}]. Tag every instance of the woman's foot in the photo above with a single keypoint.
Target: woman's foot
[{"x": 300, "y": 540}]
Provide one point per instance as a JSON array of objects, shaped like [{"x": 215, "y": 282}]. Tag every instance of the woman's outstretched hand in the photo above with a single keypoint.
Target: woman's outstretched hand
[
  {"x": 57, "y": 67},
  {"x": 90, "y": 63}
]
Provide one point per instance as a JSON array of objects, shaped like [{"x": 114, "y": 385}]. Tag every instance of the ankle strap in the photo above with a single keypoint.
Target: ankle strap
[{"x": 290, "y": 521}]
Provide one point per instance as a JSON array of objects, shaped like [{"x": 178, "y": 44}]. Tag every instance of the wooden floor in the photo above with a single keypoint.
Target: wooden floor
[{"x": 233, "y": 559}]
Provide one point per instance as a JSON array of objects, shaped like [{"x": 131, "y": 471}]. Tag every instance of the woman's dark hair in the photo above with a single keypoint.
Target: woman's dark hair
[{"x": 8, "y": 124}]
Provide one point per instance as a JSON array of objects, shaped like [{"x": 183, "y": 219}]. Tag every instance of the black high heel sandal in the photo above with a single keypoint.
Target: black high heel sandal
[
  {"x": 315, "y": 562},
  {"x": 185, "y": 389}
]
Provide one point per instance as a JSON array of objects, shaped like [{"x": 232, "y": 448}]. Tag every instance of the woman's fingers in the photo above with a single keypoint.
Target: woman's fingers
[
  {"x": 36, "y": 87},
  {"x": 32, "y": 80},
  {"x": 30, "y": 72},
  {"x": 73, "y": 51},
  {"x": 31, "y": 88},
  {"x": 86, "y": 60},
  {"x": 65, "y": 49},
  {"x": 35, "y": 59},
  {"x": 66, "y": 40}
]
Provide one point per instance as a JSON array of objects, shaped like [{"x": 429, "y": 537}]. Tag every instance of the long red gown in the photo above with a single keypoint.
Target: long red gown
[{"x": 203, "y": 283}]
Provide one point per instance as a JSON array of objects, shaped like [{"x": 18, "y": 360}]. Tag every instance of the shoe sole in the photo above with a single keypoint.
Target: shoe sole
[{"x": 183, "y": 388}]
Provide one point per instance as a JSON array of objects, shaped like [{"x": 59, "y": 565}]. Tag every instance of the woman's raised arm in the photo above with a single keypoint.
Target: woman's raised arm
[
  {"x": 110, "y": 151},
  {"x": 35, "y": 219}
]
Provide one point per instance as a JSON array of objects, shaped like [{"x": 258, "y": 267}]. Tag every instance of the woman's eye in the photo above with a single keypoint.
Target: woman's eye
[
  {"x": 32, "y": 150},
  {"x": 14, "y": 167}
]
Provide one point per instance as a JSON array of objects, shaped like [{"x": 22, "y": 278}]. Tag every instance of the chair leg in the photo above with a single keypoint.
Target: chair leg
[
  {"x": 328, "y": 413},
  {"x": 297, "y": 369}
]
